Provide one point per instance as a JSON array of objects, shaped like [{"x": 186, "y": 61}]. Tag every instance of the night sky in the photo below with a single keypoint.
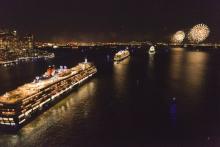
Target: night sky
[{"x": 108, "y": 20}]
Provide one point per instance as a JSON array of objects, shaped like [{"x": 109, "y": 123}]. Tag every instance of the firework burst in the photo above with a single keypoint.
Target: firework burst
[
  {"x": 178, "y": 37},
  {"x": 198, "y": 33}
]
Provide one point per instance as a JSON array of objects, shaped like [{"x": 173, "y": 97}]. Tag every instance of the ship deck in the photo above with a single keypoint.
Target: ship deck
[
  {"x": 30, "y": 89},
  {"x": 121, "y": 55}
]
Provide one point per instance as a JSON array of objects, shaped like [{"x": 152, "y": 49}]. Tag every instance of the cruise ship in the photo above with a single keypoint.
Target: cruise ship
[
  {"x": 121, "y": 55},
  {"x": 20, "y": 105}
]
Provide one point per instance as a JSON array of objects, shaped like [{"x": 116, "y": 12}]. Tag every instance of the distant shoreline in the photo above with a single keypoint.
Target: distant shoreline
[{"x": 9, "y": 62}]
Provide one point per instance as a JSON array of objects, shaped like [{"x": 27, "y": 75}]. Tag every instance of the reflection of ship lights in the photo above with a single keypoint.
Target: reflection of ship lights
[
  {"x": 172, "y": 112},
  {"x": 120, "y": 71}
]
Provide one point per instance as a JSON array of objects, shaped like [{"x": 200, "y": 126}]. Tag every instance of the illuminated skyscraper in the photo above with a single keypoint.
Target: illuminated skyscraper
[
  {"x": 28, "y": 42},
  {"x": 8, "y": 40}
]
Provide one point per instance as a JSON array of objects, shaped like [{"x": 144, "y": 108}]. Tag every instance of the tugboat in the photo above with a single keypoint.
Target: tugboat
[{"x": 152, "y": 50}]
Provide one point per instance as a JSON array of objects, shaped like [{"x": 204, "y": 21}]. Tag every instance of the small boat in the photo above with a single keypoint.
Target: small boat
[
  {"x": 121, "y": 55},
  {"x": 152, "y": 50}
]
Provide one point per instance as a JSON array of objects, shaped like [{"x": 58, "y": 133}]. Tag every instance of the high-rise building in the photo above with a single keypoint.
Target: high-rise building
[
  {"x": 9, "y": 40},
  {"x": 28, "y": 42},
  {"x": 3, "y": 41}
]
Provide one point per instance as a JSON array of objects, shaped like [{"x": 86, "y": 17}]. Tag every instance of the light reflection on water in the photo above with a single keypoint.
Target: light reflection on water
[
  {"x": 176, "y": 63},
  {"x": 173, "y": 113},
  {"x": 151, "y": 63},
  {"x": 144, "y": 85},
  {"x": 188, "y": 68},
  {"x": 151, "y": 60},
  {"x": 188, "y": 71},
  {"x": 120, "y": 75},
  {"x": 196, "y": 69}
]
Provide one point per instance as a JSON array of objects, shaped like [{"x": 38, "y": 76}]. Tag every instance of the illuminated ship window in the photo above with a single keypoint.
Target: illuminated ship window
[
  {"x": 5, "y": 119},
  {"x": 13, "y": 124}
]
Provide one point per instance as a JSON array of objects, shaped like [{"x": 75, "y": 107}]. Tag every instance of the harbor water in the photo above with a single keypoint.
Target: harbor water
[{"x": 171, "y": 98}]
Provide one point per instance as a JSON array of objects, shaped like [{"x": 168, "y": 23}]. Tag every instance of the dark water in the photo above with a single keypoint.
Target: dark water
[{"x": 129, "y": 103}]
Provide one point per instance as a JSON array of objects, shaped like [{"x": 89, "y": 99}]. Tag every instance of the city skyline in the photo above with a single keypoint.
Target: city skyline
[
  {"x": 109, "y": 73},
  {"x": 108, "y": 21}
]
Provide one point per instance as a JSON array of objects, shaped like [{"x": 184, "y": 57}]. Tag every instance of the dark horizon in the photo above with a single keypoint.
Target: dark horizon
[{"x": 53, "y": 20}]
